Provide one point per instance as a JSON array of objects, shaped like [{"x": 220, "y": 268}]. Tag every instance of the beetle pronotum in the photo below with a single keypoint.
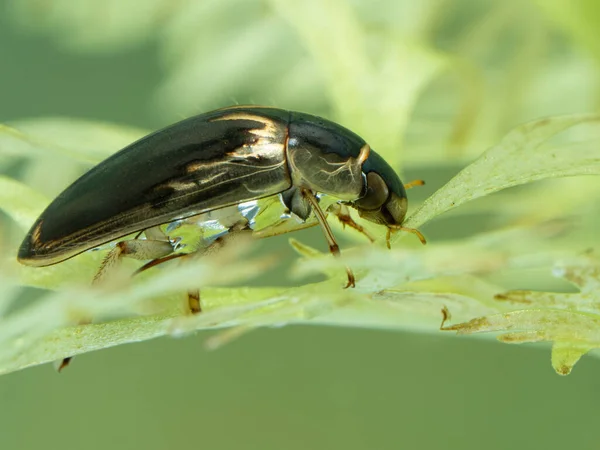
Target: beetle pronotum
[{"x": 212, "y": 162}]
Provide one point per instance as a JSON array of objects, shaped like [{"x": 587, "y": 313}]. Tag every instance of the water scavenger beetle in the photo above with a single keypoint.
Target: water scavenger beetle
[{"x": 215, "y": 162}]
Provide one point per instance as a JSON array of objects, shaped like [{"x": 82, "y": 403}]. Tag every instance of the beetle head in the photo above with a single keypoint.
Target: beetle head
[{"x": 379, "y": 203}]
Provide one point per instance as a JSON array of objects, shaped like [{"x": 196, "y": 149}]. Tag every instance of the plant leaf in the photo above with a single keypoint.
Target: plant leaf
[
  {"x": 399, "y": 289},
  {"x": 89, "y": 27},
  {"x": 519, "y": 158},
  {"x": 570, "y": 321},
  {"x": 80, "y": 140},
  {"x": 20, "y": 202}
]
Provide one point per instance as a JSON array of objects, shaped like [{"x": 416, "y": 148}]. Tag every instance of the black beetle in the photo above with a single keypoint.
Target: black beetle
[{"x": 210, "y": 162}]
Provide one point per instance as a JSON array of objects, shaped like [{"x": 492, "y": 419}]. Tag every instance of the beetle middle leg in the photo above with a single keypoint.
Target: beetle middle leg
[
  {"x": 334, "y": 248},
  {"x": 235, "y": 231}
]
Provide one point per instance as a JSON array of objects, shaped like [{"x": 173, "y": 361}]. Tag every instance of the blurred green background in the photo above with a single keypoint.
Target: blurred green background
[{"x": 452, "y": 75}]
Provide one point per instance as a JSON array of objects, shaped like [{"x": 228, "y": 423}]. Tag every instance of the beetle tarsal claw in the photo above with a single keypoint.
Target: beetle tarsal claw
[
  {"x": 392, "y": 229},
  {"x": 194, "y": 301},
  {"x": 62, "y": 363},
  {"x": 446, "y": 316},
  {"x": 351, "y": 279}
]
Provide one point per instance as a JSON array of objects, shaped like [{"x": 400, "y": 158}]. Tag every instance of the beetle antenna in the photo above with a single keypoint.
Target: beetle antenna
[{"x": 414, "y": 183}]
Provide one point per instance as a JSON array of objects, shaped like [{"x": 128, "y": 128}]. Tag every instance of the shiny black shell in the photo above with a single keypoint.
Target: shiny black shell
[{"x": 203, "y": 163}]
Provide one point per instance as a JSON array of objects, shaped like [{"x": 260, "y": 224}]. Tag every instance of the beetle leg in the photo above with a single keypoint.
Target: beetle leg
[
  {"x": 393, "y": 229},
  {"x": 296, "y": 202},
  {"x": 414, "y": 183},
  {"x": 157, "y": 261},
  {"x": 60, "y": 365},
  {"x": 342, "y": 212},
  {"x": 333, "y": 246},
  {"x": 194, "y": 294},
  {"x": 194, "y": 301},
  {"x": 142, "y": 249},
  {"x": 156, "y": 246},
  {"x": 234, "y": 232}
]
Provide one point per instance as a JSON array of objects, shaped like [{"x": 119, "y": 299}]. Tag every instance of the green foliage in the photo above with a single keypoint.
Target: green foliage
[
  {"x": 402, "y": 288},
  {"x": 429, "y": 84}
]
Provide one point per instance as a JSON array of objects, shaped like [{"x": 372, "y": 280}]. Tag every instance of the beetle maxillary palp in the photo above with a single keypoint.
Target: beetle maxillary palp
[
  {"x": 333, "y": 246},
  {"x": 393, "y": 229}
]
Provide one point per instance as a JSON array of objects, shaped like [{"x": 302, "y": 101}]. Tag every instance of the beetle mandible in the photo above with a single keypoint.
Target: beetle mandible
[{"x": 211, "y": 162}]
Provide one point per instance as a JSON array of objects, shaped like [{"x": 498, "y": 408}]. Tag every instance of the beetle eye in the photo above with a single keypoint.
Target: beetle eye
[{"x": 376, "y": 193}]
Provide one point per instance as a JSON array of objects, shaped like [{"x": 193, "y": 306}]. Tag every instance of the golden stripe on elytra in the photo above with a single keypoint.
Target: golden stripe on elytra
[
  {"x": 269, "y": 130},
  {"x": 36, "y": 233}
]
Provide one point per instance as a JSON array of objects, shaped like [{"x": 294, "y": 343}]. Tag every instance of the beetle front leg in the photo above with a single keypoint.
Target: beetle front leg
[
  {"x": 334, "y": 248},
  {"x": 342, "y": 212}
]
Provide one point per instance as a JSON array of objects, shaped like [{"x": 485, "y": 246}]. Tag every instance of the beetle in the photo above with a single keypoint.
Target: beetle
[{"x": 214, "y": 162}]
